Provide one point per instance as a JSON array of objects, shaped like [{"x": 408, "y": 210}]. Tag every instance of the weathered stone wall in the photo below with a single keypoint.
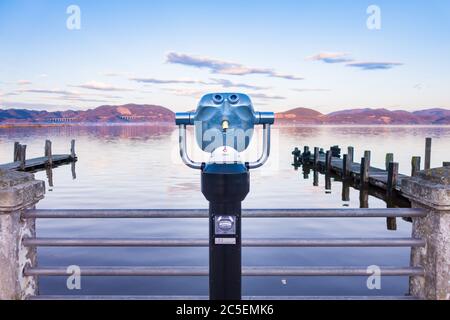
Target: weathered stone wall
[
  {"x": 18, "y": 192},
  {"x": 430, "y": 190}
]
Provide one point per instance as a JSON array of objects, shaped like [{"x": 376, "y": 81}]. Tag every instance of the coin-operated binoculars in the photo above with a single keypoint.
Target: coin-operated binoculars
[{"x": 224, "y": 124}]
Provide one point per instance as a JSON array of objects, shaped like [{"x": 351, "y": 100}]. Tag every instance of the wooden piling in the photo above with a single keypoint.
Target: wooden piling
[
  {"x": 22, "y": 156},
  {"x": 428, "y": 143},
  {"x": 48, "y": 152},
  {"x": 389, "y": 159},
  {"x": 345, "y": 191},
  {"x": 316, "y": 156},
  {"x": 328, "y": 183},
  {"x": 345, "y": 166},
  {"x": 392, "y": 179},
  {"x": 415, "y": 166},
  {"x": 351, "y": 154},
  {"x": 316, "y": 178},
  {"x": 391, "y": 224},
  {"x": 365, "y": 167},
  {"x": 364, "y": 198},
  {"x": 328, "y": 161},
  {"x": 16, "y": 151},
  {"x": 72, "y": 149}
]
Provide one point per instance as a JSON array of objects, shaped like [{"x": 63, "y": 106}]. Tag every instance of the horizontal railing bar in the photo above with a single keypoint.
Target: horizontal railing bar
[
  {"x": 98, "y": 298},
  {"x": 203, "y": 271},
  {"x": 193, "y": 298},
  {"x": 331, "y": 242},
  {"x": 202, "y": 213}
]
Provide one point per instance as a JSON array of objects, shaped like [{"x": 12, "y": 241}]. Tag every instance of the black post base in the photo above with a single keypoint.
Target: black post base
[{"x": 225, "y": 186}]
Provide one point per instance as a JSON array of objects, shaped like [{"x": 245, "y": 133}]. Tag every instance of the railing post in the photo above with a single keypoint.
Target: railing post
[
  {"x": 18, "y": 192},
  {"x": 430, "y": 190}
]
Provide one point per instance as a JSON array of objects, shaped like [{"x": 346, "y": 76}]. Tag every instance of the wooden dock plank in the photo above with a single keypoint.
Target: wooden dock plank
[
  {"x": 37, "y": 163},
  {"x": 377, "y": 177}
]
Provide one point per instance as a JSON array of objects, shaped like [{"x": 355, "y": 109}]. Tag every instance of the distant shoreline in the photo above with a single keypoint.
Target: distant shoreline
[{"x": 283, "y": 125}]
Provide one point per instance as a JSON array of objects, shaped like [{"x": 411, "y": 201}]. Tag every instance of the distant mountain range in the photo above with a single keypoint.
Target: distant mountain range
[
  {"x": 133, "y": 113},
  {"x": 436, "y": 116}
]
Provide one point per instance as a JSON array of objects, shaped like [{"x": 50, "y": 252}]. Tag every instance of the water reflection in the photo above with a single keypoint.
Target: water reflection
[{"x": 139, "y": 167}]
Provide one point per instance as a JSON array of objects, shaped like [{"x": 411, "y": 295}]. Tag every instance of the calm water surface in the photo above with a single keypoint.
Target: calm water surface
[{"x": 138, "y": 167}]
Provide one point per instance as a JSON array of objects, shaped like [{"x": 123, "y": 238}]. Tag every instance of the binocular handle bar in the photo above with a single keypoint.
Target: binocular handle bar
[
  {"x": 183, "y": 150},
  {"x": 266, "y": 149},
  {"x": 198, "y": 165}
]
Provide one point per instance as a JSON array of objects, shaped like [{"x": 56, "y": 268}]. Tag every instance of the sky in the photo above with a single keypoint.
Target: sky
[{"x": 325, "y": 55}]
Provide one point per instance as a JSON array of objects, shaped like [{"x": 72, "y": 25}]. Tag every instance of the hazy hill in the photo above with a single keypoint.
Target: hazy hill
[
  {"x": 366, "y": 116},
  {"x": 103, "y": 114},
  {"x": 152, "y": 113}
]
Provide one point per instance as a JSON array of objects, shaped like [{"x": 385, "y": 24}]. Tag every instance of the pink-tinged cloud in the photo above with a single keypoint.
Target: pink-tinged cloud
[
  {"x": 331, "y": 57},
  {"x": 223, "y": 67},
  {"x": 374, "y": 65}
]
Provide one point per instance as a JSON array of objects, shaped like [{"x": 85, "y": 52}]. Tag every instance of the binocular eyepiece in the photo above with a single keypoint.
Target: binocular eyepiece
[{"x": 225, "y": 121}]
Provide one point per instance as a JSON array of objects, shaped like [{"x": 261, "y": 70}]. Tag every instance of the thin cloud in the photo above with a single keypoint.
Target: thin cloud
[
  {"x": 50, "y": 91},
  {"x": 223, "y": 67},
  {"x": 188, "y": 92},
  {"x": 100, "y": 86},
  {"x": 374, "y": 65},
  {"x": 23, "y": 82},
  {"x": 167, "y": 81},
  {"x": 312, "y": 90},
  {"x": 264, "y": 96},
  {"x": 229, "y": 84},
  {"x": 331, "y": 57}
]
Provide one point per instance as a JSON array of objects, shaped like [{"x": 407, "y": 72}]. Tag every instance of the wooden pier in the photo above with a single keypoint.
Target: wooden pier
[
  {"x": 49, "y": 160},
  {"x": 362, "y": 174}
]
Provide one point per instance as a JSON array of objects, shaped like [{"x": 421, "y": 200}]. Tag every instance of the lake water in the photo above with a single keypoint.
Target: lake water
[{"x": 138, "y": 167}]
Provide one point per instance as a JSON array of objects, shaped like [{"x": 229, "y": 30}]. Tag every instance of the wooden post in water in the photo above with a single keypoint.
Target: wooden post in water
[
  {"x": 327, "y": 183},
  {"x": 16, "y": 151},
  {"x": 428, "y": 153},
  {"x": 389, "y": 159},
  {"x": 363, "y": 197},
  {"x": 316, "y": 178},
  {"x": 392, "y": 179},
  {"x": 328, "y": 161},
  {"x": 316, "y": 156},
  {"x": 390, "y": 192},
  {"x": 345, "y": 190},
  {"x": 345, "y": 166},
  {"x": 22, "y": 156},
  {"x": 365, "y": 166},
  {"x": 415, "y": 166},
  {"x": 351, "y": 154},
  {"x": 72, "y": 149},
  {"x": 48, "y": 152}
]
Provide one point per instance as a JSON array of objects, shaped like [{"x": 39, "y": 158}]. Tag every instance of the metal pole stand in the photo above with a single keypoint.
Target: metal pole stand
[{"x": 225, "y": 186}]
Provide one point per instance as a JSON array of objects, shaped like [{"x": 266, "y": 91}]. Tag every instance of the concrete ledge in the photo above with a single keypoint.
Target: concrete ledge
[
  {"x": 18, "y": 190},
  {"x": 430, "y": 188}
]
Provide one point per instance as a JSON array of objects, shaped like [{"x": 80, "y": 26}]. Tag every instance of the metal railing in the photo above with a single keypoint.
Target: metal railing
[
  {"x": 203, "y": 213},
  {"x": 247, "y": 271}
]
